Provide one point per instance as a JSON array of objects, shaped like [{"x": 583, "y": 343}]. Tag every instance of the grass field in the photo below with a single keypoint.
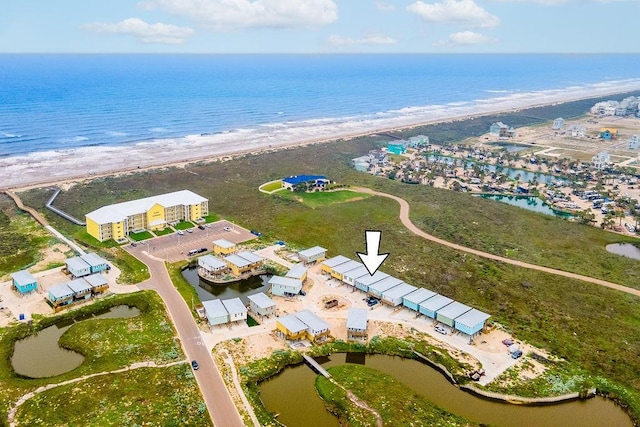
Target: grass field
[
  {"x": 142, "y": 235},
  {"x": 272, "y": 186},
  {"x": 397, "y": 405},
  {"x": 107, "y": 344},
  {"x": 164, "y": 231},
  {"x": 146, "y": 396},
  {"x": 320, "y": 199},
  {"x": 21, "y": 239},
  {"x": 582, "y": 323},
  {"x": 183, "y": 225},
  {"x": 211, "y": 218},
  {"x": 185, "y": 289}
]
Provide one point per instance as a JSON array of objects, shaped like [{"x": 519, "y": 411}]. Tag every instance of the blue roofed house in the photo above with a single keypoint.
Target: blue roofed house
[
  {"x": 471, "y": 322},
  {"x": 24, "y": 282},
  {"x": 97, "y": 264},
  {"x": 77, "y": 267},
  {"x": 60, "y": 295},
  {"x": 307, "y": 182},
  {"x": 558, "y": 124},
  {"x": 397, "y": 147},
  {"x": 608, "y": 133}
]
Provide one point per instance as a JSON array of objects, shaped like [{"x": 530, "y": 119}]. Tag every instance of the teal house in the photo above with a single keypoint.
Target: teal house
[
  {"x": 397, "y": 147},
  {"x": 24, "y": 282}
]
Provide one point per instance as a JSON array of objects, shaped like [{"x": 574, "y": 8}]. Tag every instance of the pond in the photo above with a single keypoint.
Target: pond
[
  {"x": 40, "y": 356},
  {"x": 625, "y": 249},
  {"x": 243, "y": 288},
  {"x": 298, "y": 381},
  {"x": 510, "y": 147},
  {"x": 526, "y": 202},
  {"x": 522, "y": 175}
]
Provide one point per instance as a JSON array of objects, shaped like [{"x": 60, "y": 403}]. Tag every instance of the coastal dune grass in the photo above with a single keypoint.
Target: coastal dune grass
[
  {"x": 166, "y": 396},
  {"x": 106, "y": 344},
  {"x": 323, "y": 198}
]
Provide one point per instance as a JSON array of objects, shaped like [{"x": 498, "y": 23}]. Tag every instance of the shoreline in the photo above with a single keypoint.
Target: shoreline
[{"x": 58, "y": 168}]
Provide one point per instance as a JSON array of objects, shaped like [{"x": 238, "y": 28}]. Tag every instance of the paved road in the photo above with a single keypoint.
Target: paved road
[
  {"x": 406, "y": 221},
  {"x": 221, "y": 408}
]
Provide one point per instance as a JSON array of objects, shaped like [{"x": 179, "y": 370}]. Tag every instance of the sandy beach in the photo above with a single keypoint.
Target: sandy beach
[{"x": 42, "y": 168}]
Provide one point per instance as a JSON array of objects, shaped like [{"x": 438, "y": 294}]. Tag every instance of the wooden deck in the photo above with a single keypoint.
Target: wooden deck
[{"x": 316, "y": 366}]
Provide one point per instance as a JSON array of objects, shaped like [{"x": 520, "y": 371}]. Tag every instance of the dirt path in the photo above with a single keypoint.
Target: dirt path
[
  {"x": 23, "y": 399},
  {"x": 361, "y": 404},
  {"x": 406, "y": 221}
]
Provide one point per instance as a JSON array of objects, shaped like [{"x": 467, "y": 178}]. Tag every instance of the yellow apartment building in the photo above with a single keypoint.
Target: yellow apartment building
[{"x": 151, "y": 213}]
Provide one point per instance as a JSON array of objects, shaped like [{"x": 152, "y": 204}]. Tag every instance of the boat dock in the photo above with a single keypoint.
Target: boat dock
[{"x": 316, "y": 366}]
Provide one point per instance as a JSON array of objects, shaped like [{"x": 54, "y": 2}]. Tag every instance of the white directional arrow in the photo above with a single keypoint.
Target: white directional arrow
[{"x": 372, "y": 260}]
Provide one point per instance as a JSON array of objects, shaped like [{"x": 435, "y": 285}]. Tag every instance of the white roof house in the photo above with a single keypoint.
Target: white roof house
[
  {"x": 223, "y": 243},
  {"x": 79, "y": 286},
  {"x": 77, "y": 266},
  {"x": 335, "y": 261},
  {"x": 292, "y": 323},
  {"x": 284, "y": 286},
  {"x": 250, "y": 256},
  {"x": 449, "y": 313},
  {"x": 312, "y": 254},
  {"x": 23, "y": 278},
  {"x": 394, "y": 295},
  {"x": 238, "y": 260},
  {"x": 235, "y": 308},
  {"x": 61, "y": 291},
  {"x": 363, "y": 283},
  {"x": 96, "y": 262},
  {"x": 120, "y": 211},
  {"x": 416, "y": 297},
  {"x": 96, "y": 280},
  {"x": 211, "y": 263},
  {"x": 315, "y": 325},
  {"x": 379, "y": 287},
  {"x": 472, "y": 321},
  {"x": 357, "y": 319},
  {"x": 351, "y": 276},
  {"x": 261, "y": 304},
  {"x": 345, "y": 267},
  {"x": 431, "y": 306},
  {"x": 215, "y": 312},
  {"x": 298, "y": 271}
]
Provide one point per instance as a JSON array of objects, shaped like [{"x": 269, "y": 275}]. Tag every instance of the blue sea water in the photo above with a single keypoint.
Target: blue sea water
[{"x": 62, "y": 102}]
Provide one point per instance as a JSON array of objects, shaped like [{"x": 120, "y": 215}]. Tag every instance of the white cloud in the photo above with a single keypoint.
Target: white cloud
[
  {"x": 234, "y": 14},
  {"x": 386, "y": 7},
  {"x": 460, "y": 12},
  {"x": 464, "y": 38},
  {"x": 143, "y": 31},
  {"x": 370, "y": 40}
]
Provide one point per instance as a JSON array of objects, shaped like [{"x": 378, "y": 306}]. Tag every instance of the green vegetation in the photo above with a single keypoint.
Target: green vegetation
[
  {"x": 141, "y": 235},
  {"x": 593, "y": 328},
  {"x": 271, "y": 186},
  {"x": 324, "y": 198},
  {"x": 211, "y": 218},
  {"x": 146, "y": 396},
  {"x": 132, "y": 270},
  {"x": 398, "y": 405},
  {"x": 164, "y": 231},
  {"x": 21, "y": 238},
  {"x": 251, "y": 321},
  {"x": 183, "y": 225},
  {"x": 337, "y": 402},
  {"x": 107, "y": 344},
  {"x": 188, "y": 293}
]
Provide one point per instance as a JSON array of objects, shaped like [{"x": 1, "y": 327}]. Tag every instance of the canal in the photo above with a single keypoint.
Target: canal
[{"x": 280, "y": 393}]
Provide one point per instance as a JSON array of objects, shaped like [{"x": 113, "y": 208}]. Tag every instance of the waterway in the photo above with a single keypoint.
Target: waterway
[
  {"x": 530, "y": 203},
  {"x": 281, "y": 393},
  {"x": 522, "y": 175},
  {"x": 625, "y": 249},
  {"x": 40, "y": 356},
  {"x": 243, "y": 288}
]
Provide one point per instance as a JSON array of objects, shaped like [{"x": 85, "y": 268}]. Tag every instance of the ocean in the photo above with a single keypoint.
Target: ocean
[
  {"x": 61, "y": 102},
  {"x": 64, "y": 116}
]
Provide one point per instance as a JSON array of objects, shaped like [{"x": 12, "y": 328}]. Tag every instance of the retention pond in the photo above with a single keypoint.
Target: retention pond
[
  {"x": 530, "y": 203},
  {"x": 243, "y": 288},
  {"x": 40, "y": 356},
  {"x": 625, "y": 249},
  {"x": 281, "y": 393}
]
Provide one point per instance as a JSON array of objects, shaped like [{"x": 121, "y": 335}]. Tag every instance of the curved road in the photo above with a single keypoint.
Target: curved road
[
  {"x": 406, "y": 221},
  {"x": 221, "y": 408}
]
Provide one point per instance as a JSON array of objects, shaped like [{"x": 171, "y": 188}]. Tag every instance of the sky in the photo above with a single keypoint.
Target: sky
[{"x": 320, "y": 26}]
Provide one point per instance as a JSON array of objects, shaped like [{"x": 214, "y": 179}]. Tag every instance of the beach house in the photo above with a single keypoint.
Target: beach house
[
  {"x": 151, "y": 213},
  {"x": 24, "y": 282},
  {"x": 397, "y": 147},
  {"x": 558, "y": 124},
  {"x": 215, "y": 312},
  {"x": 357, "y": 323},
  {"x": 608, "y": 133},
  {"x": 298, "y": 272},
  {"x": 601, "y": 160},
  {"x": 633, "y": 142},
  {"x": 576, "y": 131},
  {"x": 291, "y": 328},
  {"x": 285, "y": 286},
  {"x": 77, "y": 267},
  {"x": 418, "y": 141},
  {"x": 501, "y": 130},
  {"x": 209, "y": 265},
  {"x": 60, "y": 295},
  {"x": 97, "y": 264},
  {"x": 312, "y": 255},
  {"x": 261, "y": 305},
  {"x": 243, "y": 262},
  {"x": 223, "y": 247},
  {"x": 236, "y": 309},
  {"x": 317, "y": 328},
  {"x": 471, "y": 322},
  {"x": 305, "y": 182}
]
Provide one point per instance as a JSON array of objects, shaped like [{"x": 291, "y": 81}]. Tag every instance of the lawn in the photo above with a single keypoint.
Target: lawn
[
  {"x": 211, "y": 218},
  {"x": 107, "y": 344},
  {"x": 141, "y": 235},
  {"x": 184, "y": 288},
  {"x": 271, "y": 186},
  {"x": 147, "y": 396},
  {"x": 398, "y": 405},
  {"x": 322, "y": 198},
  {"x": 183, "y": 225},
  {"x": 164, "y": 231}
]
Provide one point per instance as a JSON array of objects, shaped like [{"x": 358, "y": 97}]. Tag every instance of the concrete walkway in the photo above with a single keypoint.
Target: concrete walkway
[
  {"x": 24, "y": 398},
  {"x": 406, "y": 221}
]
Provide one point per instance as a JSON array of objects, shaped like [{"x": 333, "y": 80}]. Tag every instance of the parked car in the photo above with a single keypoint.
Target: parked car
[
  {"x": 201, "y": 227},
  {"x": 227, "y": 229},
  {"x": 208, "y": 225},
  {"x": 441, "y": 330},
  {"x": 507, "y": 341},
  {"x": 372, "y": 301},
  {"x": 194, "y": 365},
  {"x": 180, "y": 232},
  {"x": 134, "y": 244},
  {"x": 189, "y": 230},
  {"x": 516, "y": 354}
]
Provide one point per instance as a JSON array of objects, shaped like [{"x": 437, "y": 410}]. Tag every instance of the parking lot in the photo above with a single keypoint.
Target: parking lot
[{"x": 175, "y": 247}]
